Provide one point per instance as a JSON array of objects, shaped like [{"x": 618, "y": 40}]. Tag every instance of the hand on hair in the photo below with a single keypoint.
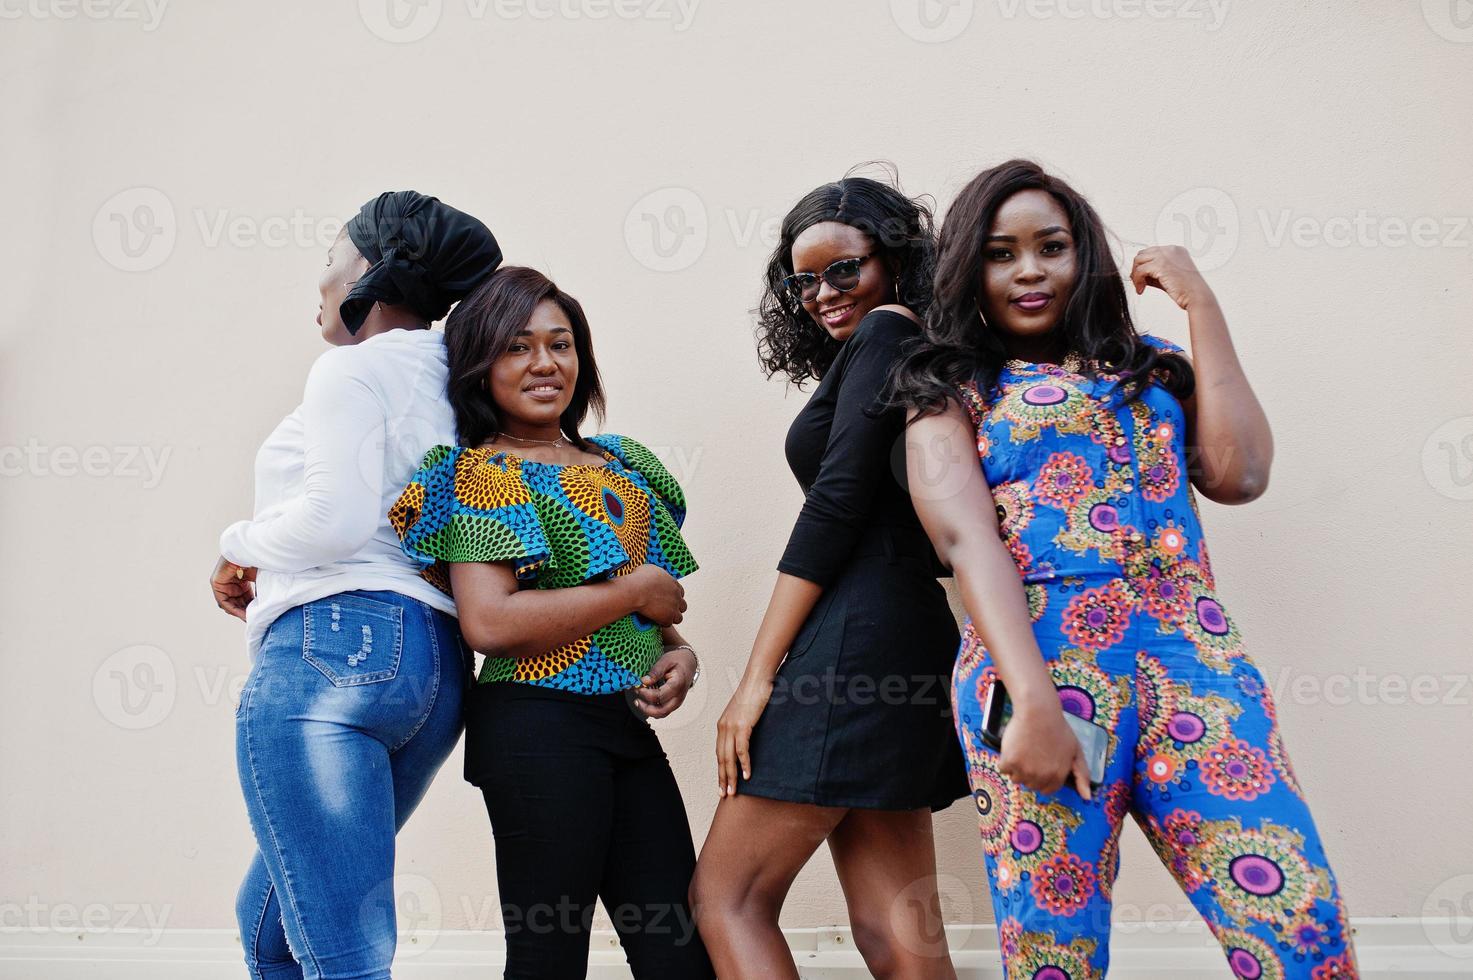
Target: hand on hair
[{"x": 1170, "y": 269}]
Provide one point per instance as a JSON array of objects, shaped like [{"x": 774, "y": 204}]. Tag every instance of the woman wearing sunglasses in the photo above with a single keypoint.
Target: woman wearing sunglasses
[{"x": 840, "y": 729}]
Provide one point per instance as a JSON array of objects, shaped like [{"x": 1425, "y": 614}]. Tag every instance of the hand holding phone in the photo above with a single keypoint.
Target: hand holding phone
[{"x": 1093, "y": 740}]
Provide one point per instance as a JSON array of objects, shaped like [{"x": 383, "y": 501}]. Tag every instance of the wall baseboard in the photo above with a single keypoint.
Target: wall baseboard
[{"x": 1388, "y": 947}]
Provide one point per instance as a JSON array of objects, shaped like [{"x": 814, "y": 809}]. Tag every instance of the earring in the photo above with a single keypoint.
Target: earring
[
  {"x": 897, "y": 291},
  {"x": 980, "y": 316}
]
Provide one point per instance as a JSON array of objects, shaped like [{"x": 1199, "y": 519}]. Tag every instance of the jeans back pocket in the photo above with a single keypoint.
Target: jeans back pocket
[{"x": 353, "y": 639}]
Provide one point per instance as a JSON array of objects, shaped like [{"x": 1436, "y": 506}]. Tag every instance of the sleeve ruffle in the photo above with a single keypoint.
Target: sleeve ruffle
[
  {"x": 667, "y": 547},
  {"x": 461, "y": 507},
  {"x": 1161, "y": 344}
]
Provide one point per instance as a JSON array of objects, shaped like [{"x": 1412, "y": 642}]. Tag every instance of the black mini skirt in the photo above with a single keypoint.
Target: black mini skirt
[{"x": 860, "y": 714}]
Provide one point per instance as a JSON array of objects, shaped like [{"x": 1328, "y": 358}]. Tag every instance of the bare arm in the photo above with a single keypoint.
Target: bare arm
[
  {"x": 501, "y": 620},
  {"x": 956, "y": 508},
  {"x": 1229, "y": 443},
  {"x": 793, "y": 598}
]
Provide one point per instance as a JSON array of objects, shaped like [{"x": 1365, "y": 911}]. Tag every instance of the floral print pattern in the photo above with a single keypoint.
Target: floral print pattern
[{"x": 1095, "y": 507}]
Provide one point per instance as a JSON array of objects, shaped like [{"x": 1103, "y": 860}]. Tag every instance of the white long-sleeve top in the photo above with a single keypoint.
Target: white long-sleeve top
[{"x": 327, "y": 475}]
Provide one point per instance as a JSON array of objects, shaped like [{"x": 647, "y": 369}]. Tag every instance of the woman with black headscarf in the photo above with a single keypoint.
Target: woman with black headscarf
[{"x": 358, "y": 670}]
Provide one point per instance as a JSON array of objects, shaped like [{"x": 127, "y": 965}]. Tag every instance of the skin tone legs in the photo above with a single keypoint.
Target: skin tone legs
[{"x": 886, "y": 865}]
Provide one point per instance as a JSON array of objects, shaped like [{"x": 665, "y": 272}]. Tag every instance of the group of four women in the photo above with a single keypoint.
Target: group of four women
[{"x": 984, "y": 408}]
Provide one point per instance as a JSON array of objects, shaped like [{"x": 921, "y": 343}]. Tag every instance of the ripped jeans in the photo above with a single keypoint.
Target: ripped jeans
[{"x": 349, "y": 710}]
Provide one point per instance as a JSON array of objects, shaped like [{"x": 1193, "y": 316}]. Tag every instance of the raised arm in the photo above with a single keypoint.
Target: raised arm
[
  {"x": 501, "y": 620},
  {"x": 1229, "y": 443},
  {"x": 340, "y": 508},
  {"x": 955, "y": 505}
]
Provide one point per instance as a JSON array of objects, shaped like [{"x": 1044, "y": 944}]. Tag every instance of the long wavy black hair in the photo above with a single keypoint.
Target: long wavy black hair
[
  {"x": 901, "y": 228},
  {"x": 482, "y": 328},
  {"x": 957, "y": 345}
]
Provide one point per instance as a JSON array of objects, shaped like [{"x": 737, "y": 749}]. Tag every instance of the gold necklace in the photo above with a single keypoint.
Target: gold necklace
[
  {"x": 559, "y": 441},
  {"x": 1073, "y": 363}
]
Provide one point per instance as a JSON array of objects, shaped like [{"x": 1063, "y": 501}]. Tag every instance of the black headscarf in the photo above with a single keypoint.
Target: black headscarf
[{"x": 422, "y": 254}]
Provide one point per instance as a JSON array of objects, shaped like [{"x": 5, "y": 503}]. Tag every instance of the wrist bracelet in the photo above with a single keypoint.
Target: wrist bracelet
[{"x": 686, "y": 646}]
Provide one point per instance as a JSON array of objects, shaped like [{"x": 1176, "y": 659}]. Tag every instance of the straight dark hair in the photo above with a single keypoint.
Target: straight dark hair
[
  {"x": 481, "y": 329},
  {"x": 788, "y": 341},
  {"x": 957, "y": 345}
]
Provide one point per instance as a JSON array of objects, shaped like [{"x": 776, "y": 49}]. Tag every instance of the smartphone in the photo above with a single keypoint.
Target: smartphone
[{"x": 1094, "y": 738}]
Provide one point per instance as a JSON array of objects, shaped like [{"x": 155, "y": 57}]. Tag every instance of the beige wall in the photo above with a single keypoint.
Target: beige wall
[{"x": 1317, "y": 159}]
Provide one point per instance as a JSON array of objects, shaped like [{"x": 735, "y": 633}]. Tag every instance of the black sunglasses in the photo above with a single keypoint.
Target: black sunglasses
[{"x": 843, "y": 275}]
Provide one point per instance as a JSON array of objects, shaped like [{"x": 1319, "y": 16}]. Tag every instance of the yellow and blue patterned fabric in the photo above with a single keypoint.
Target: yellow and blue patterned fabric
[
  {"x": 1096, "y": 508},
  {"x": 559, "y": 526}
]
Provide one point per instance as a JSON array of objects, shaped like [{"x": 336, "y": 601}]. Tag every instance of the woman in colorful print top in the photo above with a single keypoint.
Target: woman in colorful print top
[
  {"x": 563, "y": 554},
  {"x": 1086, "y": 579},
  {"x": 559, "y": 526}
]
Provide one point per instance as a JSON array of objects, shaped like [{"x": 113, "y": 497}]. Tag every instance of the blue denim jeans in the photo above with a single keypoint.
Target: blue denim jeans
[{"x": 351, "y": 707}]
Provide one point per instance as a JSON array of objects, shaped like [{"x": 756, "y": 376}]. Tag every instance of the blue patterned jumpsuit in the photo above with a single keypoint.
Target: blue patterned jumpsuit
[{"x": 1096, "y": 509}]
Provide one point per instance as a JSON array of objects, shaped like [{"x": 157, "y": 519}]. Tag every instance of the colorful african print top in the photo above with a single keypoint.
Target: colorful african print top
[
  {"x": 560, "y": 526},
  {"x": 1090, "y": 488},
  {"x": 1096, "y": 508}
]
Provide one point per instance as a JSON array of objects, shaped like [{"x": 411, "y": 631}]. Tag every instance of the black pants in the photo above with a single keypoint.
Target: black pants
[{"x": 583, "y": 806}]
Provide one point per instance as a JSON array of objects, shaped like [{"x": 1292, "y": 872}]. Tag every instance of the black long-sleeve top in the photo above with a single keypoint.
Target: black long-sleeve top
[{"x": 848, "y": 455}]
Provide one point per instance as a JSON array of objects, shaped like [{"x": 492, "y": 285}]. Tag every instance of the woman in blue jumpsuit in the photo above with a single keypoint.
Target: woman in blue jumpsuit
[{"x": 1084, "y": 571}]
